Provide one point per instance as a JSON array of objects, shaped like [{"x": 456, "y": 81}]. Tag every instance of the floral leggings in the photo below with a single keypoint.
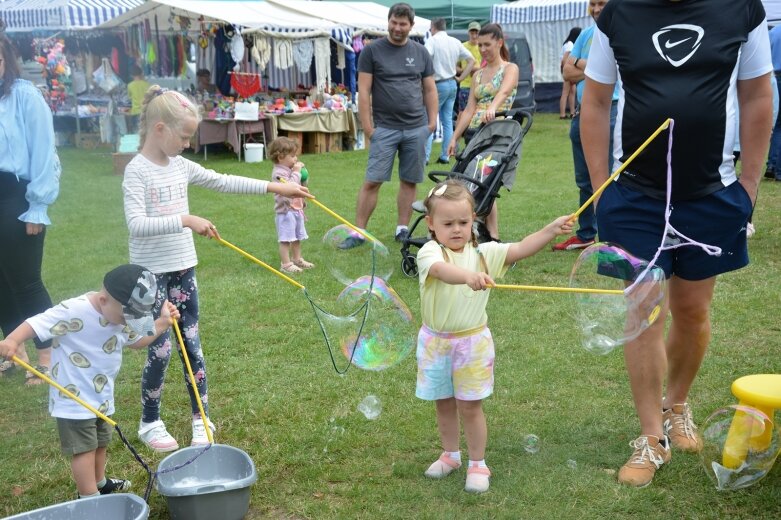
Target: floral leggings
[{"x": 181, "y": 289}]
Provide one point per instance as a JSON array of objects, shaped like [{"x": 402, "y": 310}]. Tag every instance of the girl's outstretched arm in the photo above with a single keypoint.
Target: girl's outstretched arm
[
  {"x": 454, "y": 275},
  {"x": 536, "y": 241}
]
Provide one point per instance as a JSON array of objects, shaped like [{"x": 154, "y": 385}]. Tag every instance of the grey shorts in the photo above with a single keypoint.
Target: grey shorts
[
  {"x": 411, "y": 146},
  {"x": 83, "y": 435}
]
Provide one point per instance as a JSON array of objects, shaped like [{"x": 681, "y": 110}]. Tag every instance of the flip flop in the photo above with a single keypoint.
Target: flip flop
[{"x": 290, "y": 268}]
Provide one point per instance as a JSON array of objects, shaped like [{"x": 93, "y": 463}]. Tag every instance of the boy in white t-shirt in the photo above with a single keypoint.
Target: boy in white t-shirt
[{"x": 91, "y": 330}]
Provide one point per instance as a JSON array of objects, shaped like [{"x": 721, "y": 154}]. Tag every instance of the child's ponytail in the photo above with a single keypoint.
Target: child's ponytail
[{"x": 166, "y": 106}]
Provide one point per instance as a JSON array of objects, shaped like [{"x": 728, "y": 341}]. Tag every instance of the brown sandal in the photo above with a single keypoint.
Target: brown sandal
[
  {"x": 303, "y": 264},
  {"x": 290, "y": 268}
]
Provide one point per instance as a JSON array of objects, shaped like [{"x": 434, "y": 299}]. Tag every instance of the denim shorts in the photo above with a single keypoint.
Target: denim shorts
[
  {"x": 459, "y": 365},
  {"x": 411, "y": 147},
  {"x": 635, "y": 221},
  {"x": 83, "y": 435},
  {"x": 290, "y": 226}
]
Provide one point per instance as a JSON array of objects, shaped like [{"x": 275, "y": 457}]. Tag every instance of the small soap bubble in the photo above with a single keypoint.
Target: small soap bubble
[
  {"x": 572, "y": 464},
  {"x": 531, "y": 443},
  {"x": 370, "y": 407}
]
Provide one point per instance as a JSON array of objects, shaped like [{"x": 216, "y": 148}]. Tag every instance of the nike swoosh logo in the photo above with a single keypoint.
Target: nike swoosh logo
[{"x": 669, "y": 45}]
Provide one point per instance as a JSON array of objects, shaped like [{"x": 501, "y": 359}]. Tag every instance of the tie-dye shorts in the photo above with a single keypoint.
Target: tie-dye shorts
[{"x": 459, "y": 365}]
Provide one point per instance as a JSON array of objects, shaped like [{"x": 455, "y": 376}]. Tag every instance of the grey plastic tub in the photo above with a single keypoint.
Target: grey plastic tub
[
  {"x": 214, "y": 486},
  {"x": 120, "y": 506}
]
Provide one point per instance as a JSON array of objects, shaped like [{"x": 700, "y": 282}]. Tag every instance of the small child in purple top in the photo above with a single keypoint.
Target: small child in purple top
[{"x": 289, "y": 211}]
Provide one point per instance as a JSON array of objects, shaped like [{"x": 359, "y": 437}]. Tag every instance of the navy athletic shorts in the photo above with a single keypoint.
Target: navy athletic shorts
[{"x": 635, "y": 221}]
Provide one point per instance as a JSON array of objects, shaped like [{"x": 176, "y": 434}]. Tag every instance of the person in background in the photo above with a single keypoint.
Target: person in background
[
  {"x": 289, "y": 211},
  {"x": 29, "y": 184},
  {"x": 204, "y": 82},
  {"x": 773, "y": 170},
  {"x": 573, "y": 72},
  {"x": 466, "y": 84},
  {"x": 568, "y": 90},
  {"x": 493, "y": 90},
  {"x": 446, "y": 51},
  {"x": 398, "y": 110},
  {"x": 136, "y": 90}
]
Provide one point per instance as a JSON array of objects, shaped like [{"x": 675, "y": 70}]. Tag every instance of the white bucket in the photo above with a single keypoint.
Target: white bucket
[{"x": 253, "y": 152}]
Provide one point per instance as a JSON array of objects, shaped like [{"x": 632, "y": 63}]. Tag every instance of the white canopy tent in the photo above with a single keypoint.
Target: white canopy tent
[
  {"x": 546, "y": 24},
  {"x": 362, "y": 17},
  {"x": 57, "y": 15},
  {"x": 255, "y": 14}
]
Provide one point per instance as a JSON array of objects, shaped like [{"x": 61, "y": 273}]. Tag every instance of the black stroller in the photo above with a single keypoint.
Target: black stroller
[{"x": 500, "y": 140}]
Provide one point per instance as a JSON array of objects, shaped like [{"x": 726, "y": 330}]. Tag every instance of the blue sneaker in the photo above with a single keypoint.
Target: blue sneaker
[
  {"x": 351, "y": 242},
  {"x": 402, "y": 235}
]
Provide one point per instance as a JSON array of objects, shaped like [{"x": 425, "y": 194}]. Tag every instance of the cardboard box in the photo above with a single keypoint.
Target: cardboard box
[
  {"x": 299, "y": 138},
  {"x": 120, "y": 161},
  {"x": 89, "y": 141},
  {"x": 320, "y": 142}
]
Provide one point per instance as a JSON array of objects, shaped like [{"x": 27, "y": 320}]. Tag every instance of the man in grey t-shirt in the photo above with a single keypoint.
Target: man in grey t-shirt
[{"x": 398, "y": 110}]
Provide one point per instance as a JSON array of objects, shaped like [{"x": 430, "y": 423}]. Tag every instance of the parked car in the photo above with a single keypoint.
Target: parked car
[{"x": 520, "y": 55}]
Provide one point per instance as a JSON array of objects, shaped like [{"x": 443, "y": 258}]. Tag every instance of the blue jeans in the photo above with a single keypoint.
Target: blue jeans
[
  {"x": 446, "y": 91},
  {"x": 774, "y": 156},
  {"x": 587, "y": 224}
]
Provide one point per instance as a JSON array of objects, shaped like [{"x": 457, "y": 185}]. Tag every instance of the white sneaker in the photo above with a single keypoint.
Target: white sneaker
[
  {"x": 750, "y": 230},
  {"x": 157, "y": 437},
  {"x": 199, "y": 432}
]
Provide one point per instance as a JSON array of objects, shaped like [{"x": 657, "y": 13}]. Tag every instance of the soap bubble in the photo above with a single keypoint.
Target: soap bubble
[
  {"x": 370, "y": 407},
  {"x": 740, "y": 445},
  {"x": 608, "y": 320},
  {"x": 350, "y": 255},
  {"x": 572, "y": 464},
  {"x": 388, "y": 333},
  {"x": 531, "y": 443}
]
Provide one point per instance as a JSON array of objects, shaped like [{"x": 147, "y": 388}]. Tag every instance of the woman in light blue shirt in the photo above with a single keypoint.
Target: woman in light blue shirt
[{"x": 29, "y": 183}]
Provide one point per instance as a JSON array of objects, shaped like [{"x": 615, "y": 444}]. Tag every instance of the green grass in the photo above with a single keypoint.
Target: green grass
[{"x": 273, "y": 391}]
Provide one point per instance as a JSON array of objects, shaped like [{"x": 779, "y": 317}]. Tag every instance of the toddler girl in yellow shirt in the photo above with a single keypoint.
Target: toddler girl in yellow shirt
[{"x": 455, "y": 349}]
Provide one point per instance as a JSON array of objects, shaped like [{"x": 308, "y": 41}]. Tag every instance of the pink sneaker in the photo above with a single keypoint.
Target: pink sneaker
[
  {"x": 442, "y": 467},
  {"x": 477, "y": 479},
  {"x": 157, "y": 437}
]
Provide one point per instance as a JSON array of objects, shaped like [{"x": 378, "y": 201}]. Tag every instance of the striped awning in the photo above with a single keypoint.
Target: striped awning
[
  {"x": 54, "y": 15},
  {"x": 530, "y": 11}
]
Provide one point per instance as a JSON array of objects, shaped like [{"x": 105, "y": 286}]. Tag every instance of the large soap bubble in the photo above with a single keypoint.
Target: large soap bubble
[
  {"x": 610, "y": 319},
  {"x": 740, "y": 445},
  {"x": 350, "y": 255},
  {"x": 387, "y": 335}
]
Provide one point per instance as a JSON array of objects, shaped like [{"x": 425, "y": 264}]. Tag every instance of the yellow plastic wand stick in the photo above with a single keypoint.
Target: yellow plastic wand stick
[
  {"x": 557, "y": 289},
  {"x": 65, "y": 391},
  {"x": 620, "y": 169},
  {"x": 259, "y": 262},
  {"x": 338, "y": 217},
  {"x": 192, "y": 382}
]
